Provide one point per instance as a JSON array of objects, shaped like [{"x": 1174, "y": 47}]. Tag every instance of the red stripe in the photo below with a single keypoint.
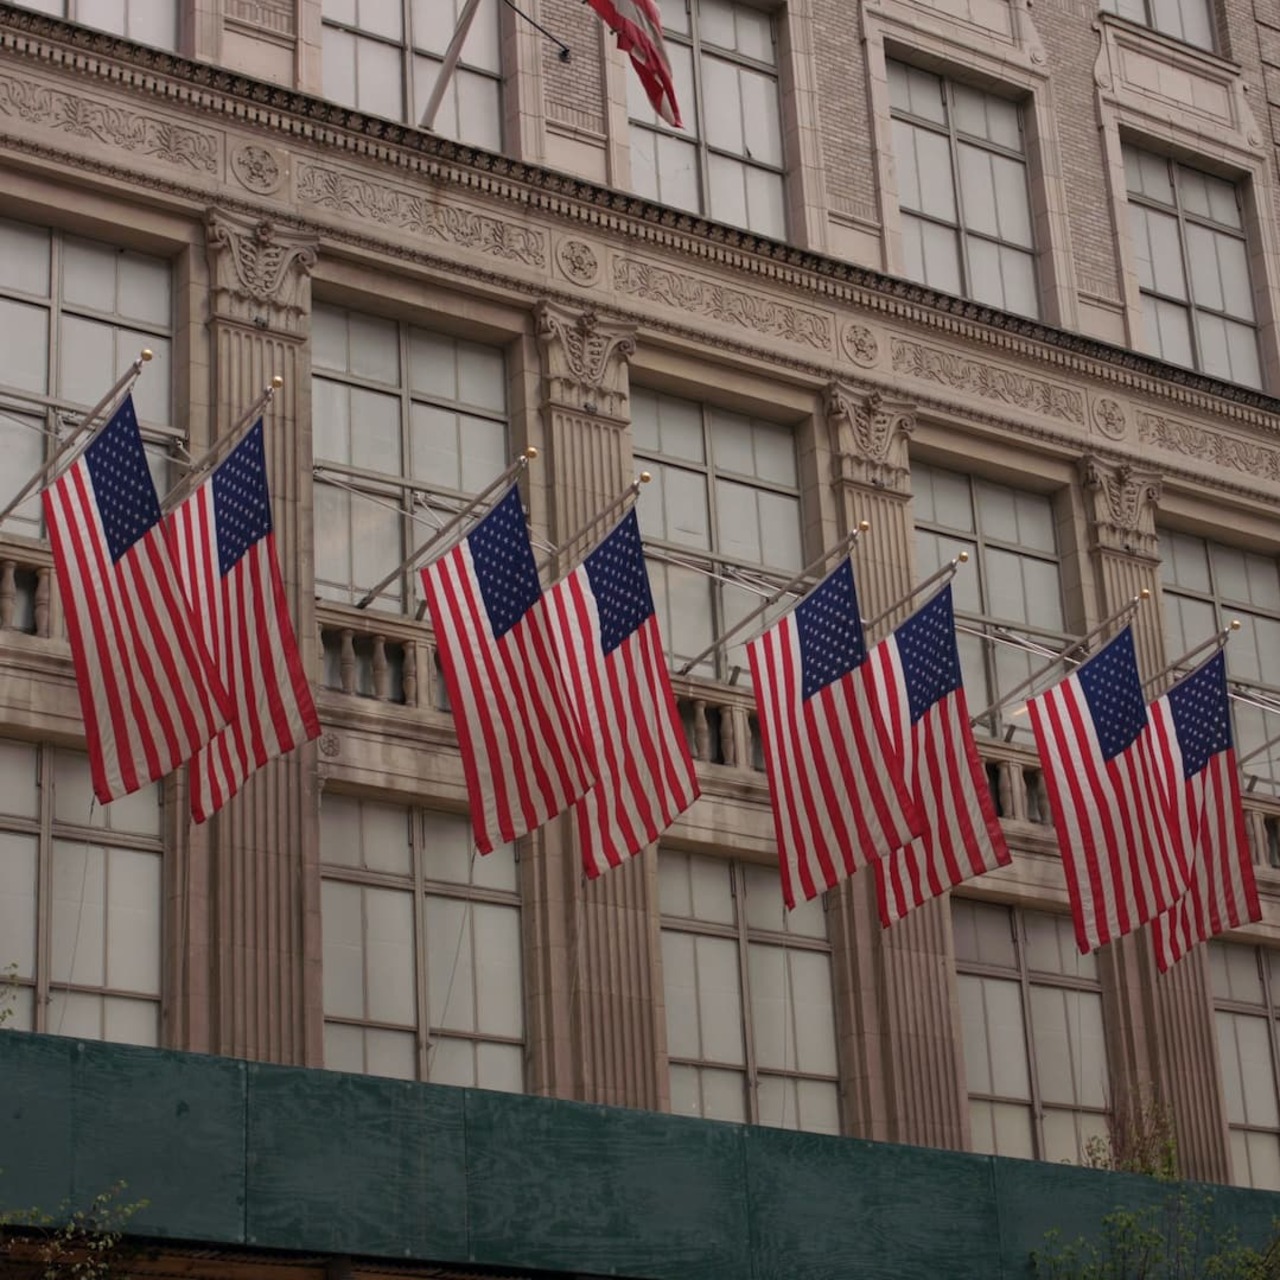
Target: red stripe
[
  {"x": 560, "y": 725},
  {"x": 153, "y": 547}
]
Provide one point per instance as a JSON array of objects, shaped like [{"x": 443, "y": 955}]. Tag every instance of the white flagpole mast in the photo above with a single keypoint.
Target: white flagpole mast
[
  {"x": 452, "y": 55},
  {"x": 122, "y": 384},
  {"x": 1215, "y": 641},
  {"x": 947, "y": 572},
  {"x": 631, "y": 491},
  {"x": 205, "y": 462}
]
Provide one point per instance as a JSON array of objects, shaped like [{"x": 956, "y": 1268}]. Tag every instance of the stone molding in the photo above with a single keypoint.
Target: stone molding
[
  {"x": 258, "y": 270},
  {"x": 869, "y": 436},
  {"x": 1122, "y": 506},
  {"x": 586, "y": 360}
]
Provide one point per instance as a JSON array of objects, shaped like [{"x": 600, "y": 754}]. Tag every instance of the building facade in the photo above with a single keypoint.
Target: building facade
[{"x": 988, "y": 278}]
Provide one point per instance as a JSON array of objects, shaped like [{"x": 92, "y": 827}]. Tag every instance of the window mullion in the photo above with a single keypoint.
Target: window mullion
[
  {"x": 1033, "y": 1074},
  {"x": 1192, "y": 326},
  {"x": 417, "y": 855},
  {"x": 737, "y": 880},
  {"x": 44, "y": 893}
]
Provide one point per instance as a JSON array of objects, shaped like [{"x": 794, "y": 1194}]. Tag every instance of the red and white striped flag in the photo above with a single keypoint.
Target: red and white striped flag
[
  {"x": 638, "y": 27},
  {"x": 920, "y": 690},
  {"x": 522, "y": 753},
  {"x": 839, "y": 800},
  {"x": 613, "y": 661},
  {"x": 1104, "y": 769},
  {"x": 1193, "y": 723},
  {"x": 148, "y": 689},
  {"x": 225, "y": 546}
]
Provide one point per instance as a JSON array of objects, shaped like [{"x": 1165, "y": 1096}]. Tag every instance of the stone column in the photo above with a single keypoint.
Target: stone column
[
  {"x": 263, "y": 870},
  {"x": 593, "y": 943},
  {"x": 1161, "y": 1038},
  {"x": 900, "y": 1045}
]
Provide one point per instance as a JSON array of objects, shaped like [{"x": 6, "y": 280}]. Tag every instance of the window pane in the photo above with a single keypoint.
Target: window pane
[
  {"x": 24, "y": 258},
  {"x": 1000, "y": 1129},
  {"x": 343, "y": 952},
  {"x": 450, "y": 975},
  {"x": 499, "y": 984},
  {"x": 24, "y": 353},
  {"x": 17, "y": 904}
]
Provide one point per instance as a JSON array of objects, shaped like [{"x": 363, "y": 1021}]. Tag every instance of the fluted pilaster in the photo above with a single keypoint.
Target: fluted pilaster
[
  {"x": 263, "y": 872},
  {"x": 1160, "y": 1028}
]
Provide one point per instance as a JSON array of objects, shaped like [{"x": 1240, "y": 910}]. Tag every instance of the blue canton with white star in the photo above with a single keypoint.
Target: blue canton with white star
[
  {"x": 1202, "y": 715},
  {"x": 1114, "y": 694},
  {"x": 241, "y": 503},
  {"x": 126, "y": 496},
  {"x": 930, "y": 659},
  {"x": 620, "y": 584},
  {"x": 503, "y": 560},
  {"x": 829, "y": 627}
]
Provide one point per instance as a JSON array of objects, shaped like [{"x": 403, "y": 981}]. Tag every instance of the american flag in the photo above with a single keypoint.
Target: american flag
[
  {"x": 638, "y": 27},
  {"x": 839, "y": 801},
  {"x": 919, "y": 687},
  {"x": 148, "y": 689},
  {"x": 225, "y": 547},
  {"x": 1193, "y": 723},
  {"x": 612, "y": 656},
  {"x": 1125, "y": 862},
  {"x": 522, "y": 752}
]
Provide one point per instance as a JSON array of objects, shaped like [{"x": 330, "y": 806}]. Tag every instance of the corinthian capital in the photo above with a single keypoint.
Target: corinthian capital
[
  {"x": 869, "y": 435},
  {"x": 585, "y": 359},
  {"x": 1122, "y": 505},
  {"x": 259, "y": 270}
]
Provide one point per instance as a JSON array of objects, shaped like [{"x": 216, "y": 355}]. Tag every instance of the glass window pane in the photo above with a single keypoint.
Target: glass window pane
[
  {"x": 499, "y": 984},
  {"x": 450, "y": 978},
  {"x": 343, "y": 949},
  {"x": 25, "y": 258},
  {"x": 17, "y": 906},
  {"x": 133, "y": 921},
  {"x": 79, "y": 911},
  {"x": 24, "y": 354}
]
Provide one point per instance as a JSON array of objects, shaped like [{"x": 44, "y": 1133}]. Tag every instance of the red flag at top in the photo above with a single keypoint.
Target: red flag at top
[{"x": 638, "y": 26}]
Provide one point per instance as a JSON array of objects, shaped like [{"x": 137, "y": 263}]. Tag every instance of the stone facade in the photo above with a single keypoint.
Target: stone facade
[{"x": 225, "y": 160}]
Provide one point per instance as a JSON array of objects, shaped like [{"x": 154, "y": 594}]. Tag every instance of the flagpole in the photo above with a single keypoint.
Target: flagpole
[
  {"x": 447, "y": 528},
  {"x": 1067, "y": 655},
  {"x": 631, "y": 491},
  {"x": 122, "y": 384},
  {"x": 452, "y": 55},
  {"x": 815, "y": 566},
  {"x": 1215, "y": 641},
  {"x": 206, "y": 460},
  {"x": 946, "y": 573}
]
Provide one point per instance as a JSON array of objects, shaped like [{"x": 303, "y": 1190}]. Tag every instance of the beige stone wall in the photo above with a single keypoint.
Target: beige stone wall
[{"x": 264, "y": 200}]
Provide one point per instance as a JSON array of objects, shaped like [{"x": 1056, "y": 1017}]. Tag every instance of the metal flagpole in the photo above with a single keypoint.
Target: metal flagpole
[
  {"x": 947, "y": 572},
  {"x": 815, "y": 566},
  {"x": 445, "y": 529},
  {"x": 1067, "y": 655},
  {"x": 450, "y": 64},
  {"x": 122, "y": 385},
  {"x": 631, "y": 491},
  {"x": 206, "y": 460},
  {"x": 1215, "y": 641}
]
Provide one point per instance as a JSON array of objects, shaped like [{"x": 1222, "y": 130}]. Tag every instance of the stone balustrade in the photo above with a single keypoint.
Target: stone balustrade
[{"x": 26, "y": 584}]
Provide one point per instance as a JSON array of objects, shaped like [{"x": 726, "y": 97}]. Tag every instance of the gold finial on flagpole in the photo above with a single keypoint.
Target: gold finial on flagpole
[
  {"x": 645, "y": 477},
  {"x": 277, "y": 382},
  {"x": 1235, "y": 624},
  {"x": 146, "y": 353},
  {"x": 864, "y": 525},
  {"x": 963, "y": 557},
  {"x": 531, "y": 452}
]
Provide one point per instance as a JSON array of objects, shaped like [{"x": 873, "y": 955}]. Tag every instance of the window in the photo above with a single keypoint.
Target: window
[
  {"x": 1031, "y": 1011},
  {"x": 407, "y": 423},
  {"x": 1206, "y": 585},
  {"x": 1246, "y": 983},
  {"x": 152, "y": 22},
  {"x": 750, "y": 1020},
  {"x": 1011, "y": 589},
  {"x": 727, "y": 161},
  {"x": 73, "y": 315},
  {"x": 1186, "y": 20},
  {"x": 962, "y": 190},
  {"x": 725, "y": 496},
  {"x": 1193, "y": 268},
  {"x": 383, "y": 57},
  {"x": 80, "y": 900},
  {"x": 422, "y": 968}
]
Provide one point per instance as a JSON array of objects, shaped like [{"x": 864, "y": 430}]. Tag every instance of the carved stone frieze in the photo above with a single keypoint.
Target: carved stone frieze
[
  {"x": 277, "y": 16},
  {"x": 990, "y": 382},
  {"x": 393, "y": 207},
  {"x": 259, "y": 271},
  {"x": 869, "y": 435},
  {"x": 695, "y": 296},
  {"x": 1123, "y": 502},
  {"x": 1209, "y": 446},
  {"x": 585, "y": 359},
  {"x": 132, "y": 131}
]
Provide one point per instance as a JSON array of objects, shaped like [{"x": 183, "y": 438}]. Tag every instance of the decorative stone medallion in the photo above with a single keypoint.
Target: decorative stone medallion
[
  {"x": 257, "y": 168},
  {"x": 578, "y": 262},
  {"x": 860, "y": 345},
  {"x": 1108, "y": 418}
]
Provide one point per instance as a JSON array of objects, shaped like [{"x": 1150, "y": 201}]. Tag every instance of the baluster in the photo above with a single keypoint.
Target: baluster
[
  {"x": 701, "y": 731},
  {"x": 1256, "y": 830},
  {"x": 410, "y": 676},
  {"x": 8, "y": 594},
  {"x": 1013, "y": 801},
  {"x": 347, "y": 661},
  {"x": 381, "y": 675},
  {"x": 731, "y": 736},
  {"x": 44, "y": 577}
]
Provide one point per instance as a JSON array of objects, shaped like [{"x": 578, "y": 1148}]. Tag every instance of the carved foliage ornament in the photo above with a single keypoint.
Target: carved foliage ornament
[
  {"x": 869, "y": 434},
  {"x": 1209, "y": 446},
  {"x": 585, "y": 359},
  {"x": 1124, "y": 501},
  {"x": 259, "y": 270}
]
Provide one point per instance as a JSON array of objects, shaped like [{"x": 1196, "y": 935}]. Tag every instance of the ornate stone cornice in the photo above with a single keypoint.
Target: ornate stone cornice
[
  {"x": 1122, "y": 501},
  {"x": 869, "y": 435},
  {"x": 585, "y": 360},
  {"x": 259, "y": 271}
]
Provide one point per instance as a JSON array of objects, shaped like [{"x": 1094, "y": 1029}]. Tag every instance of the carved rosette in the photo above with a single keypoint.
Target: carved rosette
[
  {"x": 585, "y": 359},
  {"x": 1122, "y": 501},
  {"x": 869, "y": 435},
  {"x": 260, "y": 271}
]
